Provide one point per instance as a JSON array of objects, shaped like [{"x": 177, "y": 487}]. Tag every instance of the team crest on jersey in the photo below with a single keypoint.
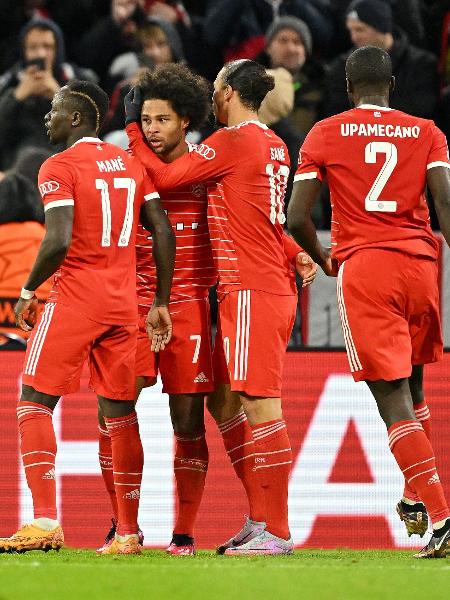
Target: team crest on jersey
[
  {"x": 205, "y": 151},
  {"x": 198, "y": 189},
  {"x": 48, "y": 187}
]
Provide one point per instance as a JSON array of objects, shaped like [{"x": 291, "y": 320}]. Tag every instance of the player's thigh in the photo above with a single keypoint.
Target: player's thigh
[
  {"x": 372, "y": 298},
  {"x": 57, "y": 350},
  {"x": 256, "y": 328},
  {"x": 186, "y": 362},
  {"x": 112, "y": 363},
  {"x": 147, "y": 361},
  {"x": 423, "y": 312}
]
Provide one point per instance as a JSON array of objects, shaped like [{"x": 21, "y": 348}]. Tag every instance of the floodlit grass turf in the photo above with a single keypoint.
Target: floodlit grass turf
[{"x": 308, "y": 574}]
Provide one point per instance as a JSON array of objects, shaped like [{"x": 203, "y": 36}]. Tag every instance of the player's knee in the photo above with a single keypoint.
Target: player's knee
[
  {"x": 115, "y": 408},
  {"x": 29, "y": 394}
]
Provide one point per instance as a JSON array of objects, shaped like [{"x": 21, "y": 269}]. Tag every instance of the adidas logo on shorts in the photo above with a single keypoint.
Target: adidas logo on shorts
[
  {"x": 133, "y": 495},
  {"x": 434, "y": 479},
  {"x": 49, "y": 475},
  {"x": 201, "y": 378}
]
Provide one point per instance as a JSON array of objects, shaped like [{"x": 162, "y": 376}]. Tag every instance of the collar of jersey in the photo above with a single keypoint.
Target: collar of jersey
[
  {"x": 89, "y": 140},
  {"x": 262, "y": 125},
  {"x": 373, "y": 106}
]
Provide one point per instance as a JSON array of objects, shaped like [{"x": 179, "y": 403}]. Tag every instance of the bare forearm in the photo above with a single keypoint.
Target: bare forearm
[
  {"x": 442, "y": 206},
  {"x": 164, "y": 257},
  {"x": 50, "y": 257},
  {"x": 304, "y": 233}
]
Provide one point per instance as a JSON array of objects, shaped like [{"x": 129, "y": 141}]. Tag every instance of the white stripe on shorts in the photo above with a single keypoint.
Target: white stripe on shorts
[
  {"x": 353, "y": 358},
  {"x": 38, "y": 341},
  {"x": 242, "y": 336}
]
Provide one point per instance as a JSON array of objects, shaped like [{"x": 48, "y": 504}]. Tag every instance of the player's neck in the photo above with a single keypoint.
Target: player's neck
[
  {"x": 77, "y": 134},
  {"x": 375, "y": 100},
  {"x": 239, "y": 115},
  {"x": 175, "y": 153}
]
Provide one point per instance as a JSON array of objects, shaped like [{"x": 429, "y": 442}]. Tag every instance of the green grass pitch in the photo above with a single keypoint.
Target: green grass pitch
[{"x": 307, "y": 575}]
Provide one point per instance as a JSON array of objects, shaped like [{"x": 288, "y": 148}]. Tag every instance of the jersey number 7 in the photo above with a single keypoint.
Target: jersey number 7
[
  {"x": 126, "y": 183},
  {"x": 373, "y": 203}
]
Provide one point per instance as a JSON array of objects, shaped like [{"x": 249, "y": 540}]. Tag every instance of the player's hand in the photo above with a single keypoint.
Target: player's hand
[
  {"x": 330, "y": 266},
  {"x": 26, "y": 313},
  {"x": 133, "y": 105},
  {"x": 159, "y": 327},
  {"x": 306, "y": 268}
]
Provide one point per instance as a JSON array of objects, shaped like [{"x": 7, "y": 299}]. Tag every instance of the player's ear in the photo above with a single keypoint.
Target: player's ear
[
  {"x": 392, "y": 84},
  {"x": 76, "y": 118},
  {"x": 349, "y": 86},
  {"x": 184, "y": 123}
]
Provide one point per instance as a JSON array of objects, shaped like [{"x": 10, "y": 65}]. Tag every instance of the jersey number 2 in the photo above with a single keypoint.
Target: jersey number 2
[
  {"x": 125, "y": 183},
  {"x": 373, "y": 202}
]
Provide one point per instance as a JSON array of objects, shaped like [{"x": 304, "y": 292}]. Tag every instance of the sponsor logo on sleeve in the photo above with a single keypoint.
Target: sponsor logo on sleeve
[
  {"x": 206, "y": 151},
  {"x": 48, "y": 187}
]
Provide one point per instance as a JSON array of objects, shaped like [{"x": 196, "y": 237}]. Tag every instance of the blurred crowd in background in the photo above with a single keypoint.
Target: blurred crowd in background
[{"x": 46, "y": 43}]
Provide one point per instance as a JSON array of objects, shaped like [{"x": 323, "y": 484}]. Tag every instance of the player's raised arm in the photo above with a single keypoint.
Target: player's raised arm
[
  {"x": 211, "y": 159},
  {"x": 438, "y": 181},
  {"x": 52, "y": 252},
  {"x": 159, "y": 325}
]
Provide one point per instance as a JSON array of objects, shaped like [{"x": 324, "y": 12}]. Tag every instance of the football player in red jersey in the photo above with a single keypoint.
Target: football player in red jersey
[
  {"x": 177, "y": 101},
  {"x": 249, "y": 166},
  {"x": 378, "y": 162},
  {"x": 93, "y": 193}
]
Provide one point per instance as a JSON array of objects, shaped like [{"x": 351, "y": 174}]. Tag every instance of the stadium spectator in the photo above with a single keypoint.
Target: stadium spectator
[
  {"x": 406, "y": 14},
  {"x": 92, "y": 247},
  {"x": 160, "y": 44},
  {"x": 255, "y": 278},
  {"x": 289, "y": 45},
  {"x": 26, "y": 90},
  {"x": 238, "y": 28},
  {"x": 378, "y": 162},
  {"x": 111, "y": 36},
  {"x": 415, "y": 70}
]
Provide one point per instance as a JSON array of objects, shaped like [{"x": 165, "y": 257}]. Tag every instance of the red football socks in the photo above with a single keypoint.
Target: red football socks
[
  {"x": 238, "y": 441},
  {"x": 415, "y": 457},
  {"x": 38, "y": 449},
  {"x": 128, "y": 462},
  {"x": 423, "y": 415},
  {"x": 190, "y": 466},
  {"x": 273, "y": 459},
  {"x": 106, "y": 465}
]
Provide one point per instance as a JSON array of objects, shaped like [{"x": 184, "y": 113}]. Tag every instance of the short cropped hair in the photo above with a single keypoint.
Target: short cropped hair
[
  {"x": 250, "y": 80},
  {"x": 90, "y": 100},
  {"x": 369, "y": 67},
  {"x": 188, "y": 94}
]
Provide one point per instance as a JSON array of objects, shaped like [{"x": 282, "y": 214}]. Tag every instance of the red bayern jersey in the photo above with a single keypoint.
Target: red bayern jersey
[
  {"x": 249, "y": 166},
  {"x": 195, "y": 271},
  {"x": 376, "y": 161},
  {"x": 106, "y": 187}
]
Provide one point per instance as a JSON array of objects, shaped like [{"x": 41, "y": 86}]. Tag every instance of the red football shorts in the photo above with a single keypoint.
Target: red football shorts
[
  {"x": 61, "y": 342},
  {"x": 186, "y": 362},
  {"x": 389, "y": 307},
  {"x": 252, "y": 335}
]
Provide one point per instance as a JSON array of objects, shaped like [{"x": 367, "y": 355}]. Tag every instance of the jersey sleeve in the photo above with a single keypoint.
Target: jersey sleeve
[
  {"x": 291, "y": 248},
  {"x": 310, "y": 158},
  {"x": 438, "y": 156},
  {"x": 211, "y": 159},
  {"x": 148, "y": 187},
  {"x": 56, "y": 183}
]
